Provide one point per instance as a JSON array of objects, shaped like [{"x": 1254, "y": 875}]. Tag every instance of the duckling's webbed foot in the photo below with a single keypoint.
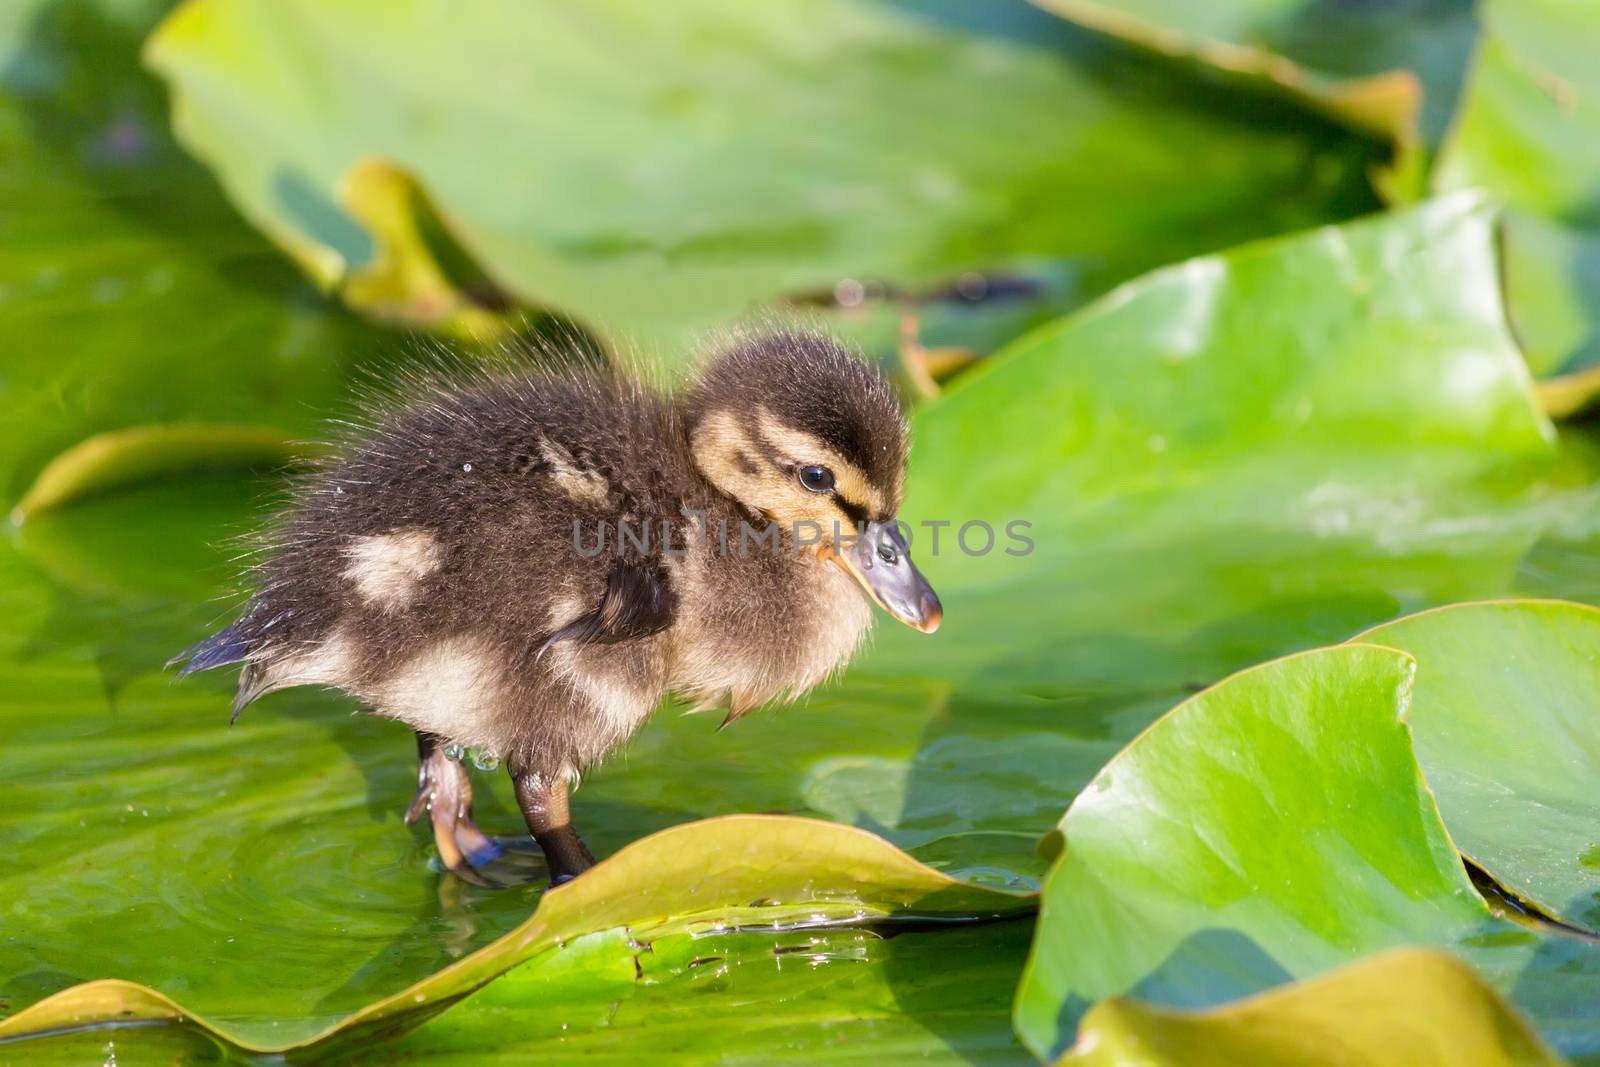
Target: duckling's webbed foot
[
  {"x": 543, "y": 799},
  {"x": 445, "y": 792}
]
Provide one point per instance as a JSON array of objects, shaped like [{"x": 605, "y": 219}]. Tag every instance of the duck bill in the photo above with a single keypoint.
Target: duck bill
[{"x": 879, "y": 558}]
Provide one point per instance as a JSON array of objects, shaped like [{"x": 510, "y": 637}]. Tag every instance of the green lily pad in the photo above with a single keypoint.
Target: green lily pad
[
  {"x": 1409, "y": 1006},
  {"x": 883, "y": 993},
  {"x": 803, "y": 996},
  {"x": 1552, "y": 274},
  {"x": 1528, "y": 107},
  {"x": 741, "y": 870},
  {"x": 132, "y": 292},
  {"x": 656, "y": 169},
  {"x": 123, "y": 457},
  {"x": 1528, "y": 132},
  {"x": 1231, "y": 458},
  {"x": 1392, "y": 68},
  {"x": 1506, "y": 717},
  {"x": 1271, "y": 829}
]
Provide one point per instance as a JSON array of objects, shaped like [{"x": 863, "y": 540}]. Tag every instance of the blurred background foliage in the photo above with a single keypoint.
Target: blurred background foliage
[{"x": 1274, "y": 318}]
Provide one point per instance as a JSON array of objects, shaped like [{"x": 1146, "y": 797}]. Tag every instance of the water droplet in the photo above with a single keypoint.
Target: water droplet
[
  {"x": 996, "y": 877},
  {"x": 484, "y": 760},
  {"x": 467, "y": 467},
  {"x": 454, "y": 752}
]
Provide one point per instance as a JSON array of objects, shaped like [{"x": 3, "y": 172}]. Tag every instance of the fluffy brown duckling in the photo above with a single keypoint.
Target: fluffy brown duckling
[{"x": 526, "y": 563}]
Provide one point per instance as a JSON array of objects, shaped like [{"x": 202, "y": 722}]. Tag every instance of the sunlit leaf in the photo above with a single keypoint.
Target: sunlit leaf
[
  {"x": 653, "y": 169},
  {"x": 1506, "y": 717},
  {"x": 1271, "y": 829},
  {"x": 863, "y": 994},
  {"x": 1529, "y": 133},
  {"x": 1393, "y": 68},
  {"x": 751, "y": 870},
  {"x": 1408, "y": 1007},
  {"x": 1231, "y": 458},
  {"x": 123, "y": 457},
  {"x": 132, "y": 293}
]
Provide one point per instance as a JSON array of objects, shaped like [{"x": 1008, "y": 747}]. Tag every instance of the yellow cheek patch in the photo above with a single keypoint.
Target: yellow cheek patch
[{"x": 724, "y": 453}]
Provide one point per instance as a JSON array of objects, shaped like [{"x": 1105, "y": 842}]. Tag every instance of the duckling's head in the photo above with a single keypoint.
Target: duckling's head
[{"x": 799, "y": 431}]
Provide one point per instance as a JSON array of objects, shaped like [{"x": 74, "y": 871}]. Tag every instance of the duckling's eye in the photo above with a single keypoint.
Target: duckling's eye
[{"x": 817, "y": 479}]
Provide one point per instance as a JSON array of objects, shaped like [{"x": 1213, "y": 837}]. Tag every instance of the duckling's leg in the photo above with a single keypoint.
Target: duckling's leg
[
  {"x": 543, "y": 799},
  {"x": 445, "y": 792}
]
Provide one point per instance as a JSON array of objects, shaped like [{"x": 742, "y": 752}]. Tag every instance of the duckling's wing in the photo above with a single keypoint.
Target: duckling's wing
[{"x": 638, "y": 602}]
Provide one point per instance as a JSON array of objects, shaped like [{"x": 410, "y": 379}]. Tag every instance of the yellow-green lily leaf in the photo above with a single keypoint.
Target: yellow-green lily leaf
[
  {"x": 1527, "y": 109},
  {"x": 1528, "y": 132},
  {"x": 132, "y": 293},
  {"x": 1402, "y": 1008},
  {"x": 1235, "y": 456},
  {"x": 417, "y": 272},
  {"x": 653, "y": 169},
  {"x": 1506, "y": 719},
  {"x": 750, "y": 870},
  {"x": 1274, "y": 828},
  {"x": 1391, "y": 68},
  {"x": 883, "y": 993},
  {"x": 125, "y": 457}
]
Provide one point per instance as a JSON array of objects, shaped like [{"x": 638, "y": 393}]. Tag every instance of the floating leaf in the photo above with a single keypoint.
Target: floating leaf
[
  {"x": 1231, "y": 458},
  {"x": 1506, "y": 718},
  {"x": 1391, "y": 68},
  {"x": 1271, "y": 829},
  {"x": 417, "y": 273},
  {"x": 132, "y": 293},
  {"x": 740, "y": 870},
  {"x": 1530, "y": 103},
  {"x": 1527, "y": 132},
  {"x": 125, "y": 457},
  {"x": 656, "y": 169},
  {"x": 885, "y": 994},
  {"x": 1408, "y": 1006},
  {"x": 802, "y": 997}
]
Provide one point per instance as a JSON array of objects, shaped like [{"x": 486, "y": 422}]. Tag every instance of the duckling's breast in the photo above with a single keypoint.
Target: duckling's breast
[{"x": 752, "y": 630}]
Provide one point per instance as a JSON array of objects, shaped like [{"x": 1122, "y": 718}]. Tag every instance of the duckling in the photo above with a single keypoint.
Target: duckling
[{"x": 527, "y": 562}]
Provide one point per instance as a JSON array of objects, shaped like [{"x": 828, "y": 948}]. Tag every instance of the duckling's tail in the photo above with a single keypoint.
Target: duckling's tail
[
  {"x": 232, "y": 645},
  {"x": 236, "y": 644}
]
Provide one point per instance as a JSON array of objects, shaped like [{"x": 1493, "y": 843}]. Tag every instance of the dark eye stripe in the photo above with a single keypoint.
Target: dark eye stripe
[{"x": 856, "y": 513}]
